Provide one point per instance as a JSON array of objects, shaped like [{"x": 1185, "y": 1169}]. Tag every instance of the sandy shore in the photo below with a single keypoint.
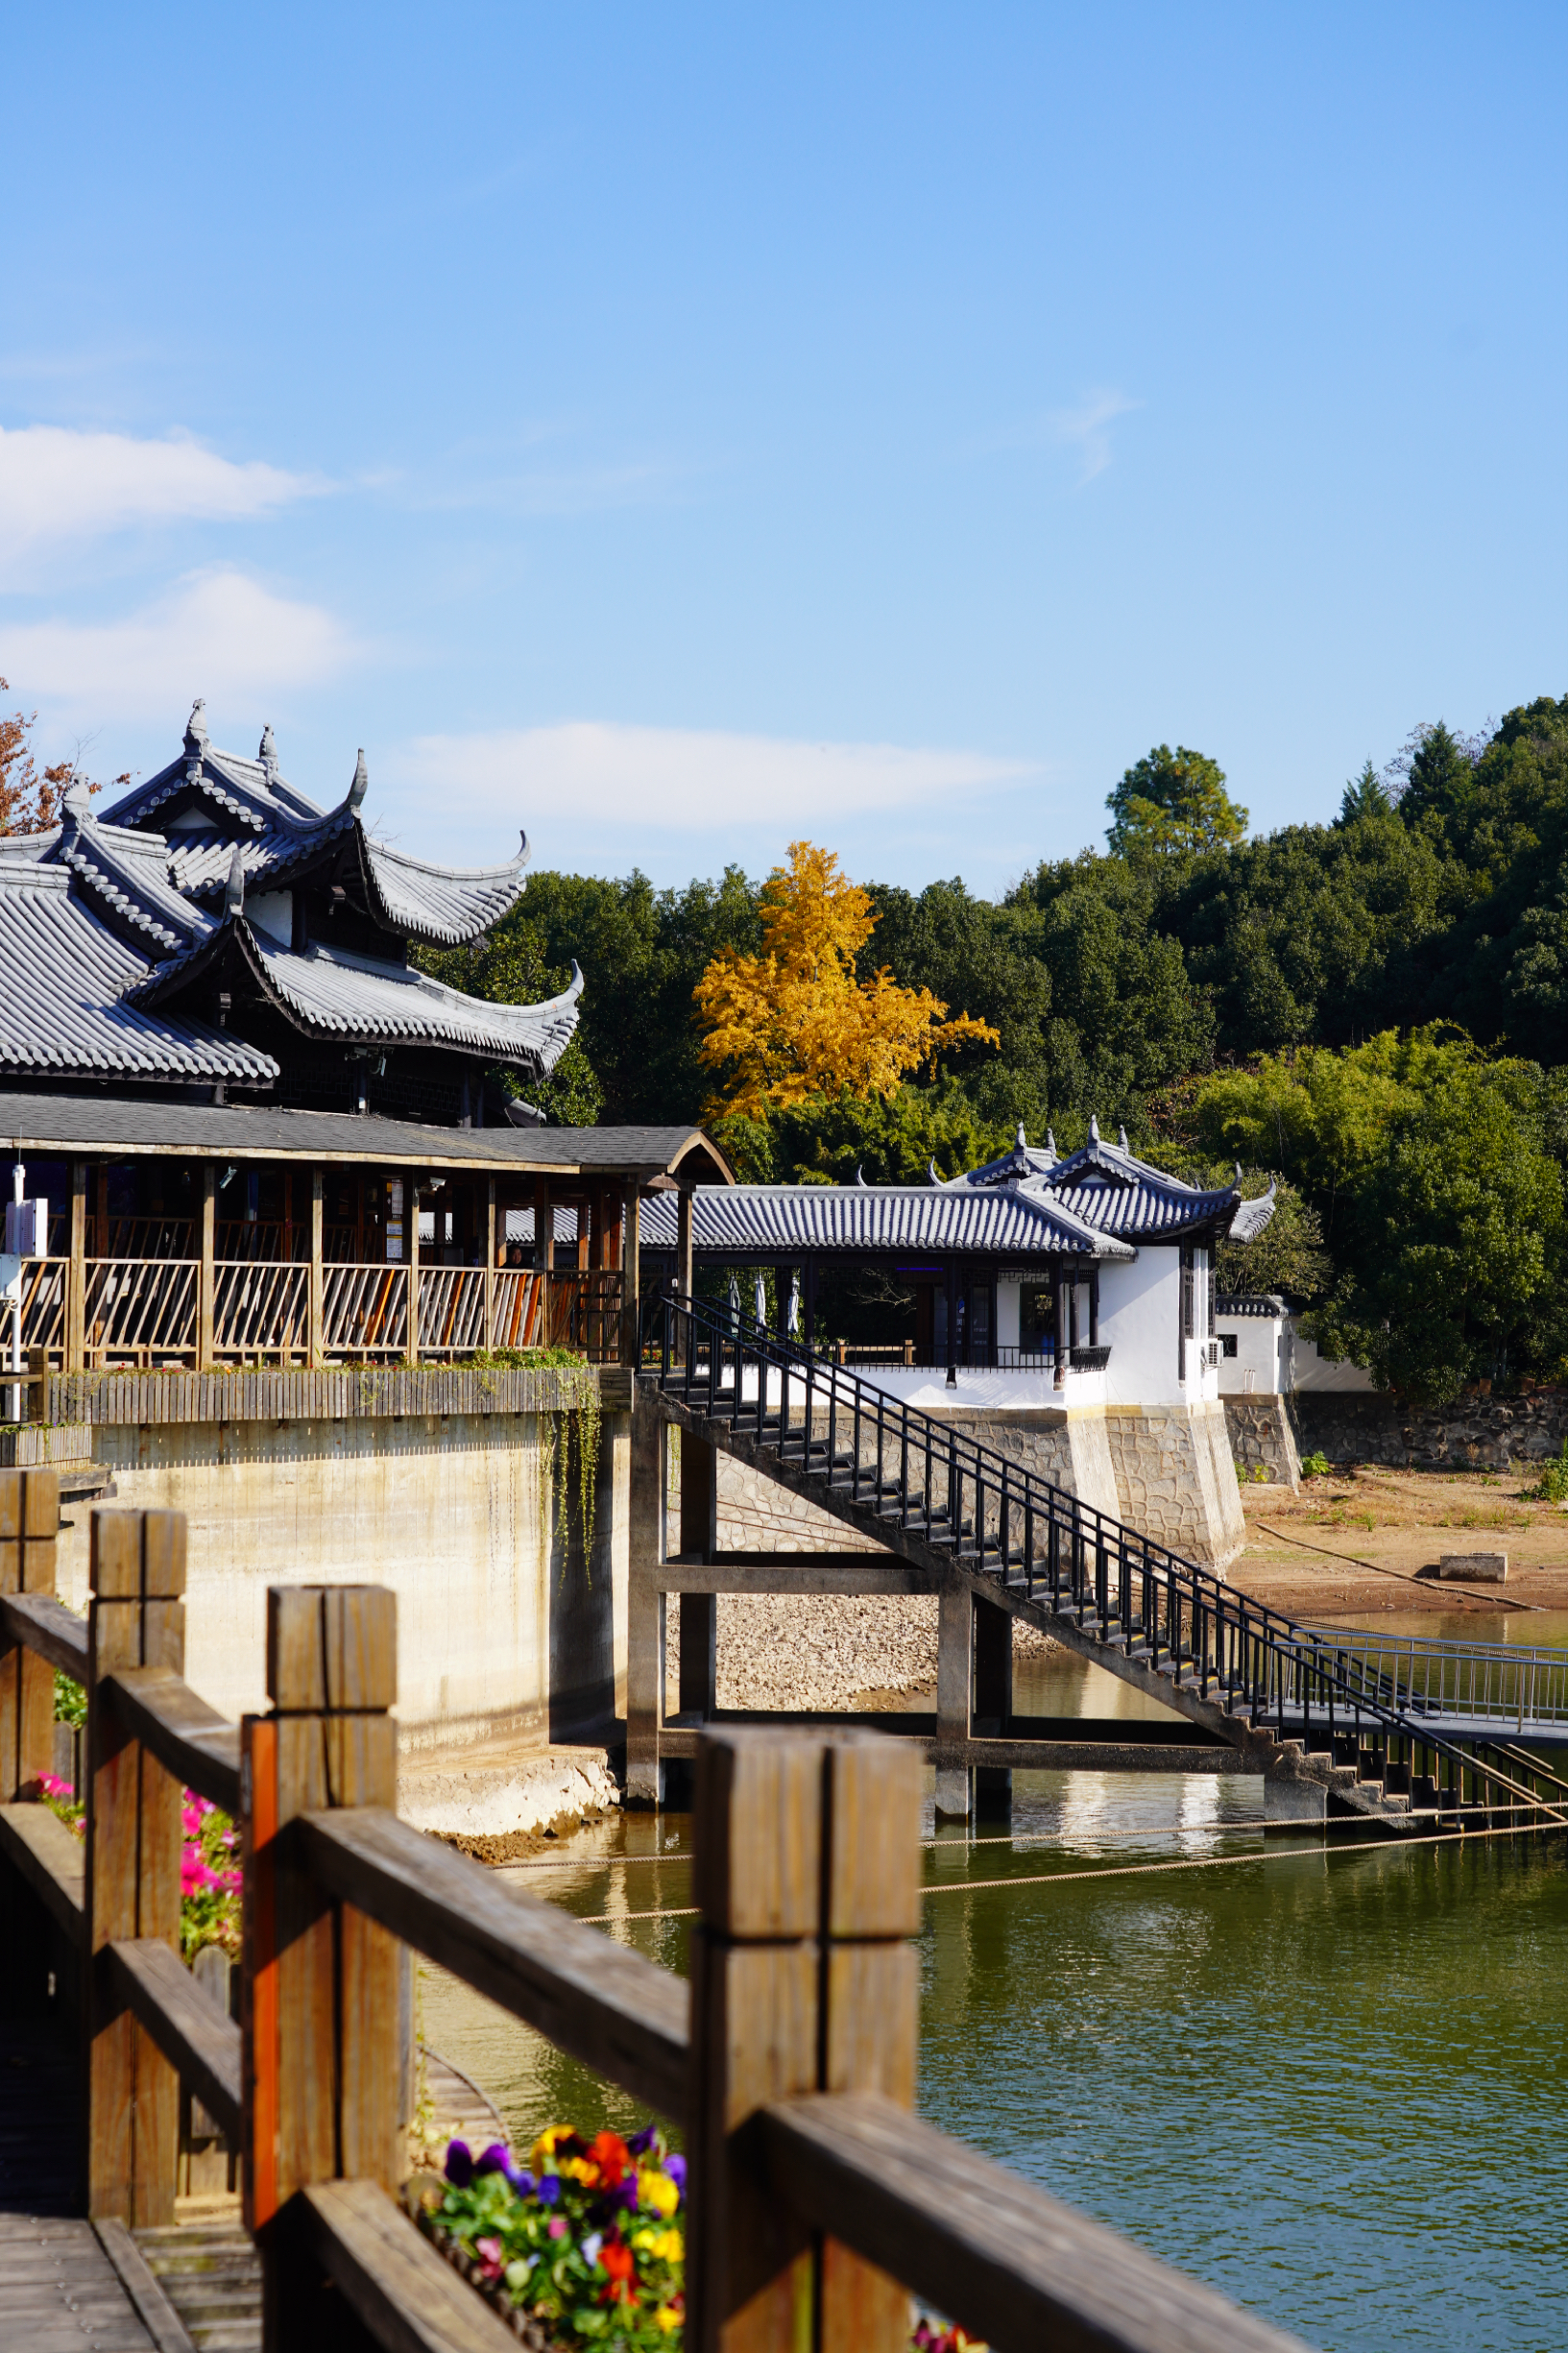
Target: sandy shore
[{"x": 1369, "y": 1538}]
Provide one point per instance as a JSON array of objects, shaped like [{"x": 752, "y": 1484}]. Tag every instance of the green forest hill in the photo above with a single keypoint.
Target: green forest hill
[{"x": 1376, "y": 1010}]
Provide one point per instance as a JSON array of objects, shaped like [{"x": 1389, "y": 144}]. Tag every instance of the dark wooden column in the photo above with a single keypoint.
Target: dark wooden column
[
  {"x": 631, "y": 1276},
  {"x": 544, "y": 1225},
  {"x": 950, "y": 1272},
  {"x": 993, "y": 1701},
  {"x": 809, "y": 1287},
  {"x": 1063, "y": 1336},
  {"x": 699, "y": 1611},
  {"x": 683, "y": 1248}
]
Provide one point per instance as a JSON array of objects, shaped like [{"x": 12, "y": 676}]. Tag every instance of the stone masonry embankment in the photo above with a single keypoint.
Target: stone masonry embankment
[{"x": 1490, "y": 1432}]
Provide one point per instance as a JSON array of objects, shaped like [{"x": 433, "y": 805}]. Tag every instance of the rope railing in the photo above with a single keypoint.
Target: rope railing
[{"x": 816, "y": 2199}]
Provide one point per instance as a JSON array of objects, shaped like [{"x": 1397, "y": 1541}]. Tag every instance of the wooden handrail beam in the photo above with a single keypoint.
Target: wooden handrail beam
[
  {"x": 193, "y": 2035},
  {"x": 408, "y": 2297},
  {"x": 52, "y": 1861},
  {"x": 197, "y": 1744},
  {"x": 1011, "y": 2263},
  {"x": 46, "y": 1626},
  {"x": 619, "y": 2014}
]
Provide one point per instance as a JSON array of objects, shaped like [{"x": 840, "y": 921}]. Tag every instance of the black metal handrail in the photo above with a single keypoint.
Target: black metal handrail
[{"x": 1026, "y": 1532}]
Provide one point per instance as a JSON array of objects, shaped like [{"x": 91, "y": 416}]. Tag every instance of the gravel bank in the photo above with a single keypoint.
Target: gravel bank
[{"x": 830, "y": 1650}]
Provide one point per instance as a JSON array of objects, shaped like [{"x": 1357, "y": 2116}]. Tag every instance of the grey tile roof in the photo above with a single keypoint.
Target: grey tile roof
[
  {"x": 758, "y": 1220},
  {"x": 1235, "y": 1305},
  {"x": 63, "y": 1014},
  {"x": 333, "y": 994},
  {"x": 444, "y": 905},
  {"x": 1111, "y": 1189},
  {"x": 280, "y": 831},
  {"x": 91, "y": 1123}
]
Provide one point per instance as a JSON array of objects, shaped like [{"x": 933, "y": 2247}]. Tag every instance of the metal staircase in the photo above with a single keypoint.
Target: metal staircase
[{"x": 1305, "y": 1702}]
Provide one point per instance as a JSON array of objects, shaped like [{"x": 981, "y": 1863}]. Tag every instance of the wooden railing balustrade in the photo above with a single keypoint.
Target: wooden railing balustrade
[
  {"x": 156, "y": 1311},
  {"x": 817, "y": 2199}
]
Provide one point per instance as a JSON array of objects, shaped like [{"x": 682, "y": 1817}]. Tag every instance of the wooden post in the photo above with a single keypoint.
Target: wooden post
[
  {"x": 490, "y": 1265},
  {"x": 76, "y": 1273},
  {"x": 595, "y": 1232},
  {"x": 685, "y": 1260},
  {"x": 207, "y": 1275},
  {"x": 413, "y": 1263},
  {"x": 543, "y": 1226},
  {"x": 699, "y": 1611},
  {"x": 954, "y": 1688},
  {"x": 29, "y": 1523},
  {"x": 320, "y": 2008},
  {"x": 807, "y": 1879},
  {"x": 136, "y": 1618},
  {"x": 317, "y": 1278},
  {"x": 631, "y": 1272}
]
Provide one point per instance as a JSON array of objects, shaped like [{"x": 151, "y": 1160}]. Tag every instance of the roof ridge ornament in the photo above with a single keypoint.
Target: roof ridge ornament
[
  {"x": 268, "y": 753},
  {"x": 196, "y": 735},
  {"x": 1121, "y": 1139},
  {"x": 233, "y": 890},
  {"x": 1051, "y": 1143},
  {"x": 524, "y": 853},
  {"x": 1094, "y": 1128},
  {"x": 861, "y": 1174},
  {"x": 1023, "y": 1139},
  {"x": 361, "y": 784},
  {"x": 74, "y": 799},
  {"x": 931, "y": 1170}
]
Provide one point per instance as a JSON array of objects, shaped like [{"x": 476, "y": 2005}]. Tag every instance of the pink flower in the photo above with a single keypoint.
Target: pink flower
[
  {"x": 54, "y": 1787},
  {"x": 557, "y": 2226},
  {"x": 489, "y": 2252}
]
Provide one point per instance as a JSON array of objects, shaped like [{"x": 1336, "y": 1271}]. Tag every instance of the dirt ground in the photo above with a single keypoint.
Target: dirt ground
[{"x": 1366, "y": 1538}]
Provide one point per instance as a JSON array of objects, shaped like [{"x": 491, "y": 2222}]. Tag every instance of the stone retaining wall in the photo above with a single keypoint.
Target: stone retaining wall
[
  {"x": 1262, "y": 1439},
  {"x": 1176, "y": 1479},
  {"x": 1487, "y": 1433}
]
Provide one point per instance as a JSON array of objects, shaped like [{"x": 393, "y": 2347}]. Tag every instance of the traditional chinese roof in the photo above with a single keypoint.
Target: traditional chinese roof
[
  {"x": 761, "y": 1221},
  {"x": 331, "y": 993},
  {"x": 65, "y": 996},
  {"x": 1111, "y": 1189},
  {"x": 206, "y": 800},
  {"x": 113, "y": 920}
]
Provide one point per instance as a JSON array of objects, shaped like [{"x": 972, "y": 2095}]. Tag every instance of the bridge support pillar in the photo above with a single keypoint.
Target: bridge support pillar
[
  {"x": 993, "y": 1712},
  {"x": 954, "y": 1699},
  {"x": 1293, "y": 1804},
  {"x": 644, "y": 1604}
]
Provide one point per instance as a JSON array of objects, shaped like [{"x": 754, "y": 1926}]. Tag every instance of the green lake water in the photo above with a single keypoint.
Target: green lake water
[{"x": 1333, "y": 2084}]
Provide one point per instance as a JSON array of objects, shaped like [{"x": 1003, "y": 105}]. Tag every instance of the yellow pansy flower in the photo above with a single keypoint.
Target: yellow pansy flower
[
  {"x": 657, "y": 2191},
  {"x": 666, "y": 2319}
]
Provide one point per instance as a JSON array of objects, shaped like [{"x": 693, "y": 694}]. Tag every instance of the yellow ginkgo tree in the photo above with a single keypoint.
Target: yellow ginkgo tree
[{"x": 795, "y": 1022}]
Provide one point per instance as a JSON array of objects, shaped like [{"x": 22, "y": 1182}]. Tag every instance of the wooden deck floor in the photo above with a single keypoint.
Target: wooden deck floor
[
  {"x": 195, "y": 2288},
  {"x": 58, "y": 2289}
]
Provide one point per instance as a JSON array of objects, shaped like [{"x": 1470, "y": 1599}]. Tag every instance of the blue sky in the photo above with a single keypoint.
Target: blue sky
[{"x": 675, "y": 430}]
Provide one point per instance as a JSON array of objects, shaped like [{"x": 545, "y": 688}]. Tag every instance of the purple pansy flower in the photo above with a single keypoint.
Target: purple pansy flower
[
  {"x": 521, "y": 2180},
  {"x": 549, "y": 2189},
  {"x": 640, "y": 2140},
  {"x": 495, "y": 2159},
  {"x": 675, "y": 2168},
  {"x": 459, "y": 2165}
]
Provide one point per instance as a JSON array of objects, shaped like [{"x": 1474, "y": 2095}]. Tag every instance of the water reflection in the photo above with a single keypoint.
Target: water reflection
[{"x": 1330, "y": 2083}]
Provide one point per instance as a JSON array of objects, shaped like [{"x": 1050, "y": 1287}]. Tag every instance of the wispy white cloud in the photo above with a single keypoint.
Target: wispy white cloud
[
  {"x": 1087, "y": 427},
  {"x": 59, "y": 484},
  {"x": 218, "y": 633},
  {"x": 672, "y": 779}
]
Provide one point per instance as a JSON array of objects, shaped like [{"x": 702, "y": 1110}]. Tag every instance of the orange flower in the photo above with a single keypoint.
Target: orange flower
[{"x": 611, "y": 2154}]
